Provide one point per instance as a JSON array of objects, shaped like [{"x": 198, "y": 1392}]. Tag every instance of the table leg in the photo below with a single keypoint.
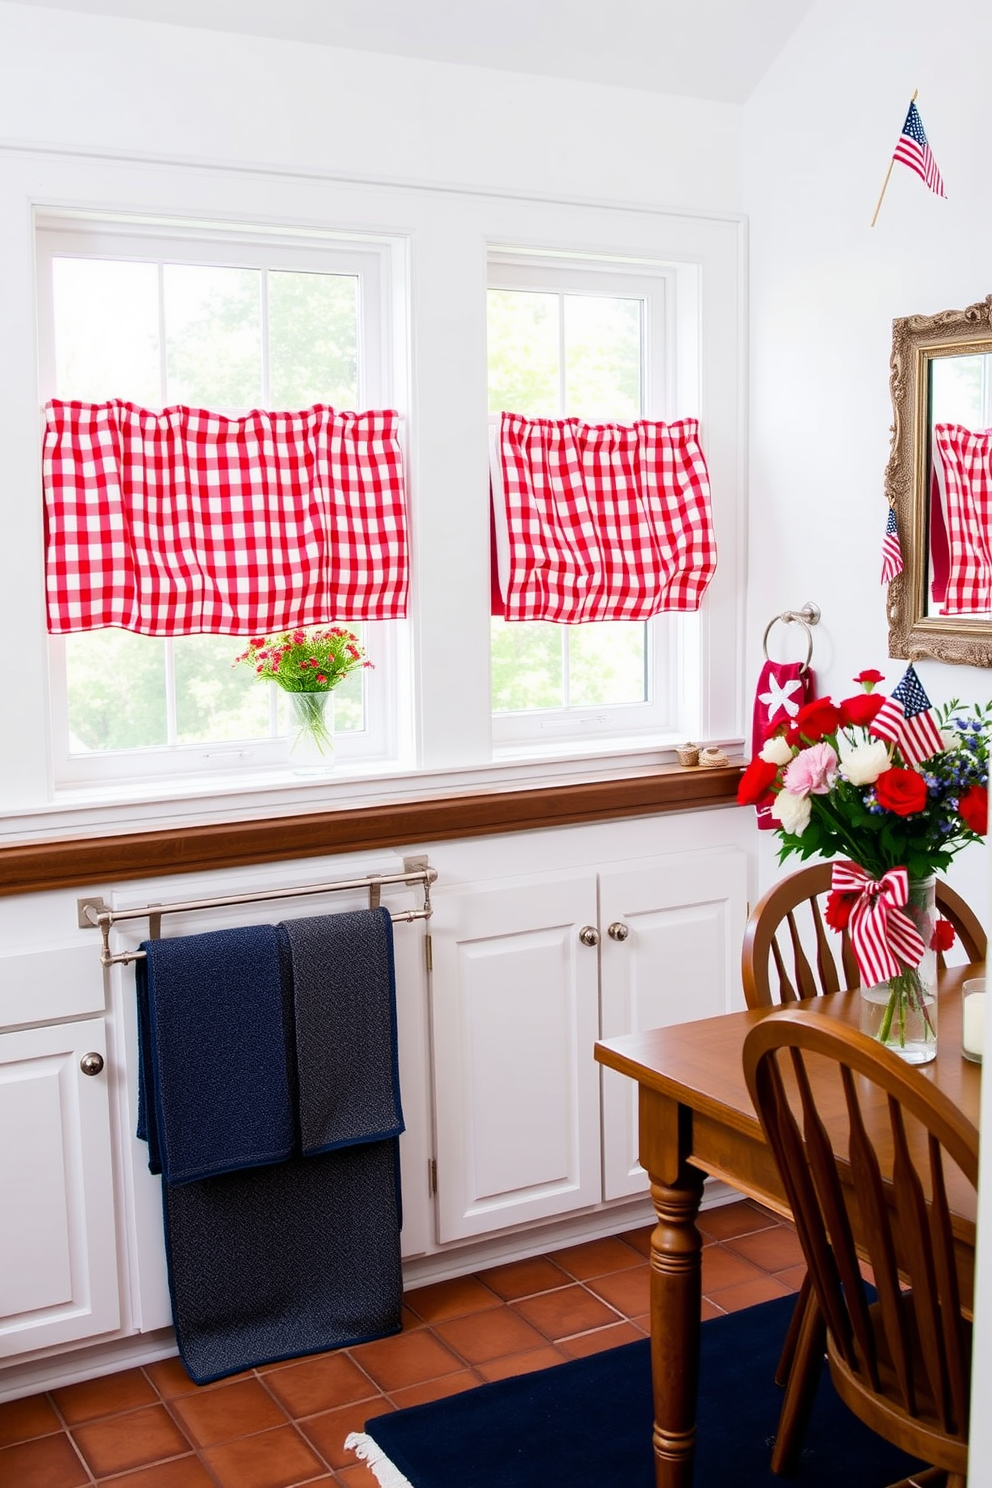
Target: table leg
[{"x": 676, "y": 1294}]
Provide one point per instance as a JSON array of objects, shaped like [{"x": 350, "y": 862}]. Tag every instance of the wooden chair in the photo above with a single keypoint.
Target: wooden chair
[
  {"x": 787, "y": 928},
  {"x": 902, "y": 1362},
  {"x": 788, "y": 953}
]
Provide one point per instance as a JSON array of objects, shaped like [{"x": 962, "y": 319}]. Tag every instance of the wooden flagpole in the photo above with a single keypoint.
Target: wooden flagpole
[{"x": 888, "y": 173}]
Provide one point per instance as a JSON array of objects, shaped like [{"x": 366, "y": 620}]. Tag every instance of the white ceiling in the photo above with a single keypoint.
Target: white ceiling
[{"x": 716, "y": 49}]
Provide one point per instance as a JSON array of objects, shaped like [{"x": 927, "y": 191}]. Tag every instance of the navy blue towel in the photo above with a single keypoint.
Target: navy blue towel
[
  {"x": 344, "y": 996},
  {"x": 286, "y": 1260},
  {"x": 214, "y": 1084}
]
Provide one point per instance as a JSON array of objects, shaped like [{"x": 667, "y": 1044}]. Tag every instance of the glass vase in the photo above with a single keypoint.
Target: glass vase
[
  {"x": 902, "y": 1012},
  {"x": 311, "y": 731}
]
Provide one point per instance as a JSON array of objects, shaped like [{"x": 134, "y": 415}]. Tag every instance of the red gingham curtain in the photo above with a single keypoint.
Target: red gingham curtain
[
  {"x": 186, "y": 521},
  {"x": 604, "y": 521},
  {"x": 962, "y": 461}
]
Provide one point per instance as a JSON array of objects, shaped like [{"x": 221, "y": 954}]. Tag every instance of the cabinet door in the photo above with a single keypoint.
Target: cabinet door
[
  {"x": 684, "y": 918},
  {"x": 58, "y": 1253},
  {"x": 514, "y": 1022}
]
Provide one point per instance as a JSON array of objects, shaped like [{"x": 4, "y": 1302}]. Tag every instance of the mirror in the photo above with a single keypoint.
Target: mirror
[{"x": 939, "y": 484}]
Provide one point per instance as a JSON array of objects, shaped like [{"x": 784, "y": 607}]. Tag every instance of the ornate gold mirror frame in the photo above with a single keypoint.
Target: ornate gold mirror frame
[{"x": 917, "y": 341}]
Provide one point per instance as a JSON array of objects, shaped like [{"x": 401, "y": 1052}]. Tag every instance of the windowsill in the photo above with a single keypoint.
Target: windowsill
[{"x": 124, "y": 805}]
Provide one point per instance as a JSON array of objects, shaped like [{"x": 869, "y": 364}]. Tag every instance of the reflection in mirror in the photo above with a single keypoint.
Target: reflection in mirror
[
  {"x": 960, "y": 483},
  {"x": 939, "y": 484}
]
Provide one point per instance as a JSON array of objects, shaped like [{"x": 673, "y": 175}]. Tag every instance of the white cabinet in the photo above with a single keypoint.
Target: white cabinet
[
  {"x": 519, "y": 1000},
  {"x": 681, "y": 921},
  {"x": 58, "y": 1252},
  {"x": 514, "y": 1011}
]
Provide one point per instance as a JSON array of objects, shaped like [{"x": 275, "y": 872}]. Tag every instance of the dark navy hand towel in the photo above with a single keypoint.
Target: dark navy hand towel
[
  {"x": 344, "y": 991},
  {"x": 213, "y": 1015}
]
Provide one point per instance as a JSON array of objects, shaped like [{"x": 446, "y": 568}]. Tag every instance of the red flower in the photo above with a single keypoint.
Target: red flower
[
  {"x": 868, "y": 678},
  {"x": 901, "y": 791},
  {"x": 943, "y": 936},
  {"x": 860, "y": 709},
  {"x": 816, "y": 719},
  {"x": 320, "y": 677},
  {"x": 755, "y": 782},
  {"x": 837, "y": 910},
  {"x": 973, "y": 808}
]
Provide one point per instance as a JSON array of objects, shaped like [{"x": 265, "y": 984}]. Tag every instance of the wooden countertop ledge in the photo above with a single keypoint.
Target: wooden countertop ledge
[{"x": 73, "y": 862}]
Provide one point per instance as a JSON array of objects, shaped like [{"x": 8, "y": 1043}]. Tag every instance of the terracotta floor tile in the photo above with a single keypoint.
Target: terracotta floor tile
[
  {"x": 447, "y": 1299},
  {"x": 91, "y": 1399},
  {"x": 490, "y": 1335},
  {"x": 772, "y": 1250},
  {"x": 640, "y": 1239},
  {"x": 406, "y": 1359},
  {"x": 525, "y": 1363},
  {"x": 319, "y": 1384},
  {"x": 792, "y": 1277},
  {"x": 170, "y": 1378},
  {"x": 750, "y": 1293},
  {"x": 628, "y": 1291},
  {"x": 22, "y": 1420},
  {"x": 357, "y": 1477},
  {"x": 596, "y": 1257},
  {"x": 709, "y": 1310},
  {"x": 584, "y": 1344},
  {"x": 327, "y": 1432},
  {"x": 524, "y": 1278},
  {"x": 723, "y": 1268},
  {"x": 134, "y": 1440},
  {"x": 437, "y": 1389},
  {"x": 565, "y": 1311},
  {"x": 272, "y": 1459},
  {"x": 47, "y": 1462},
  {"x": 181, "y": 1472},
  {"x": 226, "y": 1413},
  {"x": 740, "y": 1218}
]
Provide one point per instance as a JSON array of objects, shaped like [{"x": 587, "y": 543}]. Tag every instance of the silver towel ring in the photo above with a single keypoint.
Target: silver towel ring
[{"x": 807, "y": 616}]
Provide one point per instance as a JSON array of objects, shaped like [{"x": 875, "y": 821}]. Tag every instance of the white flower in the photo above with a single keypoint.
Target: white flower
[
  {"x": 776, "y": 751},
  {"x": 862, "y": 764},
  {"x": 951, "y": 738},
  {"x": 792, "y": 811}
]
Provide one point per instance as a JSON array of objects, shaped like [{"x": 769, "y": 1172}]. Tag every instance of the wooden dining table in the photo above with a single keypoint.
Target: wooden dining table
[{"x": 695, "y": 1118}]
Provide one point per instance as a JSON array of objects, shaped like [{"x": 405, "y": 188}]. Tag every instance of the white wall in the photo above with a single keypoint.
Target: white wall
[
  {"x": 825, "y": 287},
  {"x": 143, "y": 88}
]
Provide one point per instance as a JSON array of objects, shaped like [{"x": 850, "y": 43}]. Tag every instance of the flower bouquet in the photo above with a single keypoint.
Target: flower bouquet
[
  {"x": 891, "y": 788},
  {"x": 308, "y": 663}
]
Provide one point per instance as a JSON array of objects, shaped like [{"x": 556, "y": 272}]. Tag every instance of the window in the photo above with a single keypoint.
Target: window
[
  {"x": 230, "y": 321},
  {"x": 589, "y": 339}
]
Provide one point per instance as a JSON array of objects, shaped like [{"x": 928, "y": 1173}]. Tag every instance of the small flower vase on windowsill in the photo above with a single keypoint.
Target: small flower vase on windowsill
[
  {"x": 311, "y": 737},
  {"x": 901, "y": 1013}
]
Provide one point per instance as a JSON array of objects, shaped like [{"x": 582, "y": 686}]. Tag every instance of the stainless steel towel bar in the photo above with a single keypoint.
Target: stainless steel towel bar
[{"x": 96, "y": 914}]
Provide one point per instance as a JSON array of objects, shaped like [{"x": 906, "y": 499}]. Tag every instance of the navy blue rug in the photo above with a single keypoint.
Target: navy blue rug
[{"x": 588, "y": 1423}]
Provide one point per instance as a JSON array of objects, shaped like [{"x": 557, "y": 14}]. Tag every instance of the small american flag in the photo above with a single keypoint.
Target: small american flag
[
  {"x": 919, "y": 737},
  {"x": 888, "y": 721},
  {"x": 913, "y": 150},
  {"x": 891, "y": 551}
]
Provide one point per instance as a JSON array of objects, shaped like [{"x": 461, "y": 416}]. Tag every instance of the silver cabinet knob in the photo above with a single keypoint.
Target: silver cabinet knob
[
  {"x": 91, "y": 1064},
  {"x": 589, "y": 935},
  {"x": 618, "y": 930}
]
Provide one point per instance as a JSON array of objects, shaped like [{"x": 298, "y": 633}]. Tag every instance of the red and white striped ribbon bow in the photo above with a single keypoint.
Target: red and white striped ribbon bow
[{"x": 884, "y": 939}]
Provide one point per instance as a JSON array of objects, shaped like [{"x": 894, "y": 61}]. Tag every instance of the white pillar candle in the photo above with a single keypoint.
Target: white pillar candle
[{"x": 973, "y": 1026}]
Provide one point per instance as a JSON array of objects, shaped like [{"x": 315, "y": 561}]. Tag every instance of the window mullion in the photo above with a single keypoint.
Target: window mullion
[{"x": 171, "y": 729}]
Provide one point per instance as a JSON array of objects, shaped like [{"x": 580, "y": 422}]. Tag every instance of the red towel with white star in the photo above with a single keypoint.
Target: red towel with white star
[{"x": 783, "y": 687}]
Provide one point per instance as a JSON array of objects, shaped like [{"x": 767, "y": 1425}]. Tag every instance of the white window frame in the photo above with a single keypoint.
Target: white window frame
[
  {"x": 63, "y": 235},
  {"x": 669, "y": 390}
]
